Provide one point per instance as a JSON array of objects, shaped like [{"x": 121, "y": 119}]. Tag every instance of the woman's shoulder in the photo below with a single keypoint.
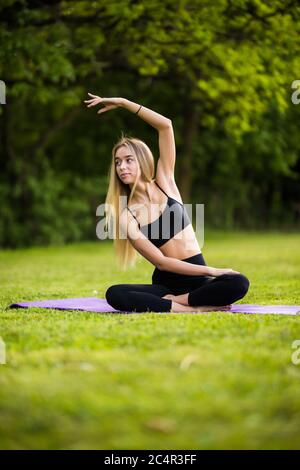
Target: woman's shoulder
[{"x": 169, "y": 186}]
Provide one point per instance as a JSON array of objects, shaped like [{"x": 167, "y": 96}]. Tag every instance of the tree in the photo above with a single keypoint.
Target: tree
[{"x": 223, "y": 66}]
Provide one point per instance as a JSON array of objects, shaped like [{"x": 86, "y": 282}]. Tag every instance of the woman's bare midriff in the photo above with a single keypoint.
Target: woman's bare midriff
[{"x": 183, "y": 245}]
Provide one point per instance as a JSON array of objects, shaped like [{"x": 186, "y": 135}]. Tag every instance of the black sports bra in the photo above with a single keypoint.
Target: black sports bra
[{"x": 169, "y": 223}]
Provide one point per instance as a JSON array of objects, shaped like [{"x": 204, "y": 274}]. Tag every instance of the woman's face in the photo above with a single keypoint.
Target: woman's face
[{"x": 126, "y": 165}]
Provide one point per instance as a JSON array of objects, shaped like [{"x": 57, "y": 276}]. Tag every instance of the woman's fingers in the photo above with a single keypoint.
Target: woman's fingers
[
  {"x": 97, "y": 100},
  {"x": 93, "y": 103},
  {"x": 90, "y": 101}
]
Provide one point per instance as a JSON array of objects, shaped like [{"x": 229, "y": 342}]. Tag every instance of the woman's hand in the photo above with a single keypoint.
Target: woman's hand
[
  {"x": 215, "y": 272},
  {"x": 109, "y": 103}
]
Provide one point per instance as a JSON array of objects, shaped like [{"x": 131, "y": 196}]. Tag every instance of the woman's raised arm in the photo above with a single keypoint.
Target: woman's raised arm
[{"x": 156, "y": 120}]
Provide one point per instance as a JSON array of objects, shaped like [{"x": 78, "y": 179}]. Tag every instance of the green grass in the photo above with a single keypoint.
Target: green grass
[{"x": 77, "y": 380}]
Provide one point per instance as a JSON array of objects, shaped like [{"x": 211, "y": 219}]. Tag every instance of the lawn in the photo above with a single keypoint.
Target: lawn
[{"x": 78, "y": 380}]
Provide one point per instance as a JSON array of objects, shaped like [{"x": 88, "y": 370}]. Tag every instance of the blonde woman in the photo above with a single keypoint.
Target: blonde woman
[{"x": 140, "y": 206}]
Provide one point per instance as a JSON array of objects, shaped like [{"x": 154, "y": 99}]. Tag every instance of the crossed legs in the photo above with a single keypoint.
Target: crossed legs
[
  {"x": 221, "y": 291},
  {"x": 139, "y": 297}
]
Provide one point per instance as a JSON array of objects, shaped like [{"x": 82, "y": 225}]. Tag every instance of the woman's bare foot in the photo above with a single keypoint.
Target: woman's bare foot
[
  {"x": 201, "y": 308},
  {"x": 179, "y": 299},
  {"x": 176, "y": 308},
  {"x": 169, "y": 297}
]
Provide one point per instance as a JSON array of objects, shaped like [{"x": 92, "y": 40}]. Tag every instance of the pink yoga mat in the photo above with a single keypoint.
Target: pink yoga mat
[{"x": 94, "y": 304}]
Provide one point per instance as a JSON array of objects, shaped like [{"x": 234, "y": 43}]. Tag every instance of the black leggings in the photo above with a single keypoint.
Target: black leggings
[{"x": 203, "y": 290}]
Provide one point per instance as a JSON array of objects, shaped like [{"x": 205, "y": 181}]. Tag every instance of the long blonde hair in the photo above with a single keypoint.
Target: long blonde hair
[{"x": 114, "y": 204}]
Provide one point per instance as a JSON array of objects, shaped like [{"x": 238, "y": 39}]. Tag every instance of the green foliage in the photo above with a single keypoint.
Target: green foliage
[
  {"x": 232, "y": 63},
  {"x": 56, "y": 208}
]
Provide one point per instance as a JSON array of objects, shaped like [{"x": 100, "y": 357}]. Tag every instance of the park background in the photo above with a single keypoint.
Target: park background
[{"x": 223, "y": 72}]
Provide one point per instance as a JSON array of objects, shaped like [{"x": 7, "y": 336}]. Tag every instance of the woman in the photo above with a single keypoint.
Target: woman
[{"x": 181, "y": 280}]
